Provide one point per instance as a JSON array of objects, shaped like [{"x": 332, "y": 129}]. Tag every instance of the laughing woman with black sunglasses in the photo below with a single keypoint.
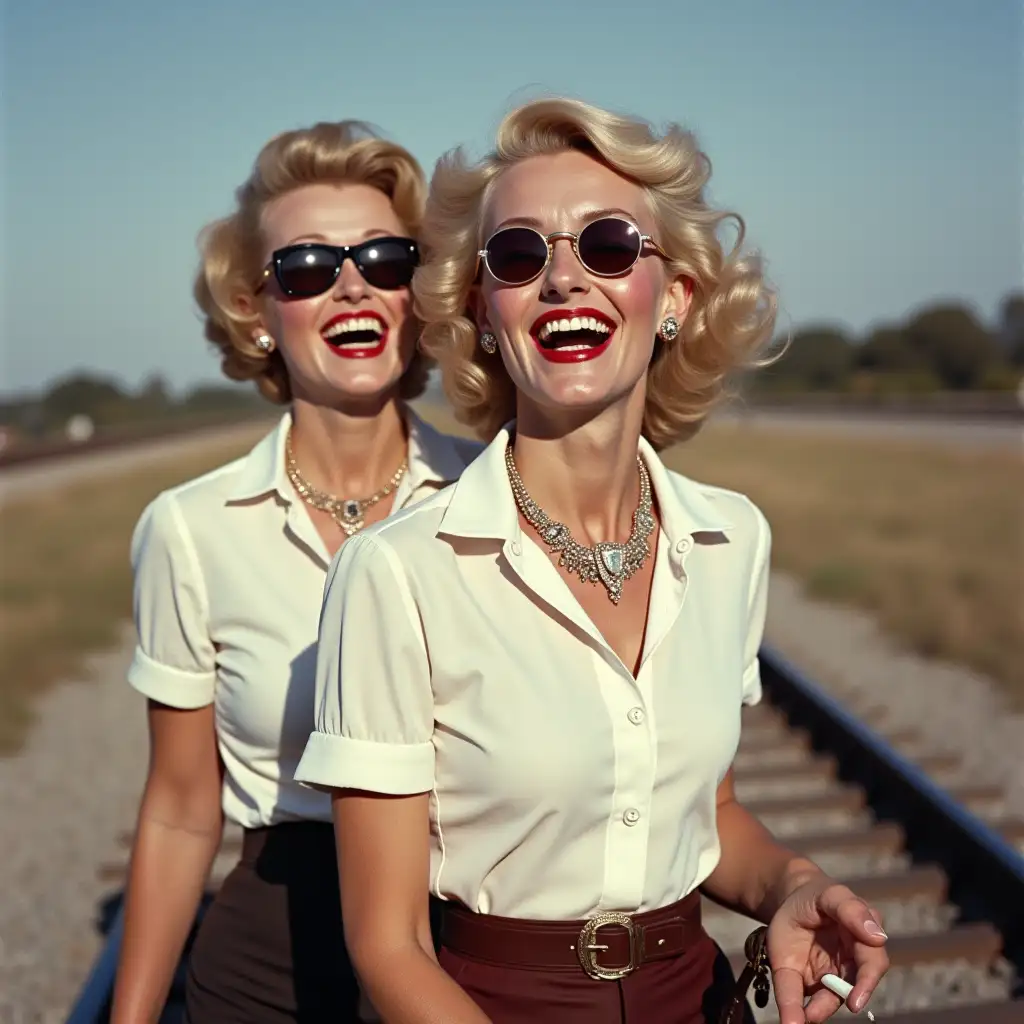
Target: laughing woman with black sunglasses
[{"x": 305, "y": 290}]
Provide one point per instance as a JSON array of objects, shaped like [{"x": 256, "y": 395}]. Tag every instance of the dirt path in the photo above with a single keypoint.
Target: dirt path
[
  {"x": 63, "y": 801},
  {"x": 33, "y": 478}
]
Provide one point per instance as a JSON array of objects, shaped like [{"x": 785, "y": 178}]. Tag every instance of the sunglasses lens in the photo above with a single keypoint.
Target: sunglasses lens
[
  {"x": 307, "y": 271},
  {"x": 389, "y": 264},
  {"x": 609, "y": 246},
  {"x": 516, "y": 255}
]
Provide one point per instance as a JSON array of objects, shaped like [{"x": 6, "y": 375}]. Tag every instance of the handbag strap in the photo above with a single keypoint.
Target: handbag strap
[{"x": 756, "y": 971}]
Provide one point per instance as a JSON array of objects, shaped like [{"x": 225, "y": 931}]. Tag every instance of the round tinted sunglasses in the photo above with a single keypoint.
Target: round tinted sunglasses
[
  {"x": 606, "y": 247},
  {"x": 311, "y": 268}
]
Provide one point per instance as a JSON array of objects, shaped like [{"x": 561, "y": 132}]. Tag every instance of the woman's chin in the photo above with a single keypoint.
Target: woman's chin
[
  {"x": 362, "y": 380},
  {"x": 589, "y": 390}
]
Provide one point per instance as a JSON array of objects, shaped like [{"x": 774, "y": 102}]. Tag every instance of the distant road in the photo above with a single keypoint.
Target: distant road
[
  {"x": 17, "y": 481},
  {"x": 946, "y": 430},
  {"x": 32, "y": 478}
]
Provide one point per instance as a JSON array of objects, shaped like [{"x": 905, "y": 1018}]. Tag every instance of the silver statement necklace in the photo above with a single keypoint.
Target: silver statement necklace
[
  {"x": 611, "y": 564},
  {"x": 348, "y": 513}
]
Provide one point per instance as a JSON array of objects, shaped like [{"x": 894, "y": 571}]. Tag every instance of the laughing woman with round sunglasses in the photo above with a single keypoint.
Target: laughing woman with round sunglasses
[
  {"x": 305, "y": 291},
  {"x": 529, "y": 686}
]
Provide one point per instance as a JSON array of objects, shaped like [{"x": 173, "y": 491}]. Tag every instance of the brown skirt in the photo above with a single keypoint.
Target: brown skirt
[
  {"x": 684, "y": 979},
  {"x": 271, "y": 947}
]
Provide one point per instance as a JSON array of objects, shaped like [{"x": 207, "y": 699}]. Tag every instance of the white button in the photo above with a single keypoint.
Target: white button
[
  {"x": 635, "y": 715},
  {"x": 683, "y": 546},
  {"x": 517, "y": 548},
  {"x": 630, "y": 815}
]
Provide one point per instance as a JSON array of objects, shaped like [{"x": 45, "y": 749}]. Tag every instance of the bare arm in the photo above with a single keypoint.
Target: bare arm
[
  {"x": 384, "y": 868},
  {"x": 178, "y": 834},
  {"x": 755, "y": 873}
]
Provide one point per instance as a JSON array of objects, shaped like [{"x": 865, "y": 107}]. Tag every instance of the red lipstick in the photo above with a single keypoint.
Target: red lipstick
[
  {"x": 558, "y": 341},
  {"x": 356, "y": 335}
]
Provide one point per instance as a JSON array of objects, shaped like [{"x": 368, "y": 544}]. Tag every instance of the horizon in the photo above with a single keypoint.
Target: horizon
[{"x": 184, "y": 388}]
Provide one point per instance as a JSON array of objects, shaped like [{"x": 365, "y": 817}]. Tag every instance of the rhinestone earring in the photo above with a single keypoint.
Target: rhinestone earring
[
  {"x": 669, "y": 329},
  {"x": 265, "y": 343},
  {"x": 489, "y": 343}
]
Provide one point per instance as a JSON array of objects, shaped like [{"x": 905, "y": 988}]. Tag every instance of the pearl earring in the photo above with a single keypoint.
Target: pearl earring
[
  {"x": 669, "y": 329},
  {"x": 265, "y": 343},
  {"x": 489, "y": 343}
]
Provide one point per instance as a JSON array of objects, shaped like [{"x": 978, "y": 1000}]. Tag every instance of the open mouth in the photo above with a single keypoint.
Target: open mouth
[
  {"x": 355, "y": 335},
  {"x": 572, "y": 335}
]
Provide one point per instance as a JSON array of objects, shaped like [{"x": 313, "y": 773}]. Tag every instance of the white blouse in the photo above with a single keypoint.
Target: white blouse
[
  {"x": 229, "y": 578},
  {"x": 454, "y": 660}
]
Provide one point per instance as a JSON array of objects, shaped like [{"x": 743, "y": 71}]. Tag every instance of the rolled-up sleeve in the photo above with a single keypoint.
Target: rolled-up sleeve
[
  {"x": 175, "y": 660},
  {"x": 757, "y": 608},
  {"x": 374, "y": 715}
]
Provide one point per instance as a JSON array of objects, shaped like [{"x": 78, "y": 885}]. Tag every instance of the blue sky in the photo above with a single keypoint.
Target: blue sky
[{"x": 873, "y": 146}]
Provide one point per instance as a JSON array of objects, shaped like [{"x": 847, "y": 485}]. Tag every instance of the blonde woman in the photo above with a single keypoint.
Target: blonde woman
[
  {"x": 529, "y": 686},
  {"x": 305, "y": 291}
]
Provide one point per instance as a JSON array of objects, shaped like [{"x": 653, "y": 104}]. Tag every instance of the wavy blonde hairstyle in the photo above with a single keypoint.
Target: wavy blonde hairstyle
[
  {"x": 732, "y": 312},
  {"x": 338, "y": 153}
]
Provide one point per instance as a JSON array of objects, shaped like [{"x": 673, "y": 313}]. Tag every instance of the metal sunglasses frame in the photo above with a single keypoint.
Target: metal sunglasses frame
[
  {"x": 574, "y": 237},
  {"x": 342, "y": 252}
]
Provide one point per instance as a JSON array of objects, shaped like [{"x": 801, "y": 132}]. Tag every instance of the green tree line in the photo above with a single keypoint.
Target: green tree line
[
  {"x": 940, "y": 348},
  {"x": 110, "y": 404}
]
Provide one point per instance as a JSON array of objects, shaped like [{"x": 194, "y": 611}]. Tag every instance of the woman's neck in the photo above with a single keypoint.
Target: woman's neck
[
  {"x": 582, "y": 471},
  {"x": 349, "y": 453}
]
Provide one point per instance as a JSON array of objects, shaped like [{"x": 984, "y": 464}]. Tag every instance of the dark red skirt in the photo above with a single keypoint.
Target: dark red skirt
[{"x": 691, "y": 983}]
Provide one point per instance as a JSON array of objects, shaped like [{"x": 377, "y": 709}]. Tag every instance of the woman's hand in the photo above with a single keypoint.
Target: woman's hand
[{"x": 823, "y": 928}]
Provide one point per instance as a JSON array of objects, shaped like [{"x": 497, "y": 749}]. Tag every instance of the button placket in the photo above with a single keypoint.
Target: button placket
[
  {"x": 668, "y": 593},
  {"x": 628, "y": 824}
]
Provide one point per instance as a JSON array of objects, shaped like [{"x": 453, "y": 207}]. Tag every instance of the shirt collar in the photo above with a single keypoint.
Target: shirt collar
[
  {"x": 263, "y": 469},
  {"x": 683, "y": 505},
  {"x": 482, "y": 505},
  {"x": 434, "y": 457}
]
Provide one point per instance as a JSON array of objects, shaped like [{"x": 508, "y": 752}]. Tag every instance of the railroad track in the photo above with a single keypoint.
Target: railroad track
[{"x": 875, "y": 807}]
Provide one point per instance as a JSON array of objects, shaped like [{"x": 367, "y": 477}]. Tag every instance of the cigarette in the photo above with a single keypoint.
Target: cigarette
[{"x": 841, "y": 988}]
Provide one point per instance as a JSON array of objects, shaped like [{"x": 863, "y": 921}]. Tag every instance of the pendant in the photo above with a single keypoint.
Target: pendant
[
  {"x": 349, "y": 516},
  {"x": 611, "y": 568}
]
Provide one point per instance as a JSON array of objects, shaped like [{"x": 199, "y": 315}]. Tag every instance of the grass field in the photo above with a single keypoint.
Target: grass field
[
  {"x": 65, "y": 578},
  {"x": 929, "y": 538}
]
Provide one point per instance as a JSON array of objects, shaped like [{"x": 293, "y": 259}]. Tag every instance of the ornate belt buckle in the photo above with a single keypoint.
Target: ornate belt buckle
[{"x": 588, "y": 947}]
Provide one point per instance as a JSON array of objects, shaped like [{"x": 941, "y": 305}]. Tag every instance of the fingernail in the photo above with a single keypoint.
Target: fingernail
[{"x": 873, "y": 928}]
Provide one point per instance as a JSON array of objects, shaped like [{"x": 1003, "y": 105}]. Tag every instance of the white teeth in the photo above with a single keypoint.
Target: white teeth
[
  {"x": 577, "y": 323},
  {"x": 359, "y": 323}
]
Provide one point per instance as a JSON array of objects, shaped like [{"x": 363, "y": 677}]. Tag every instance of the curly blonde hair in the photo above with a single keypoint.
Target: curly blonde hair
[
  {"x": 732, "y": 311},
  {"x": 342, "y": 152}
]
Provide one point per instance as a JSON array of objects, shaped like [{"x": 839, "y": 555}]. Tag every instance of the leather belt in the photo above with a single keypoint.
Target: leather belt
[{"x": 606, "y": 947}]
